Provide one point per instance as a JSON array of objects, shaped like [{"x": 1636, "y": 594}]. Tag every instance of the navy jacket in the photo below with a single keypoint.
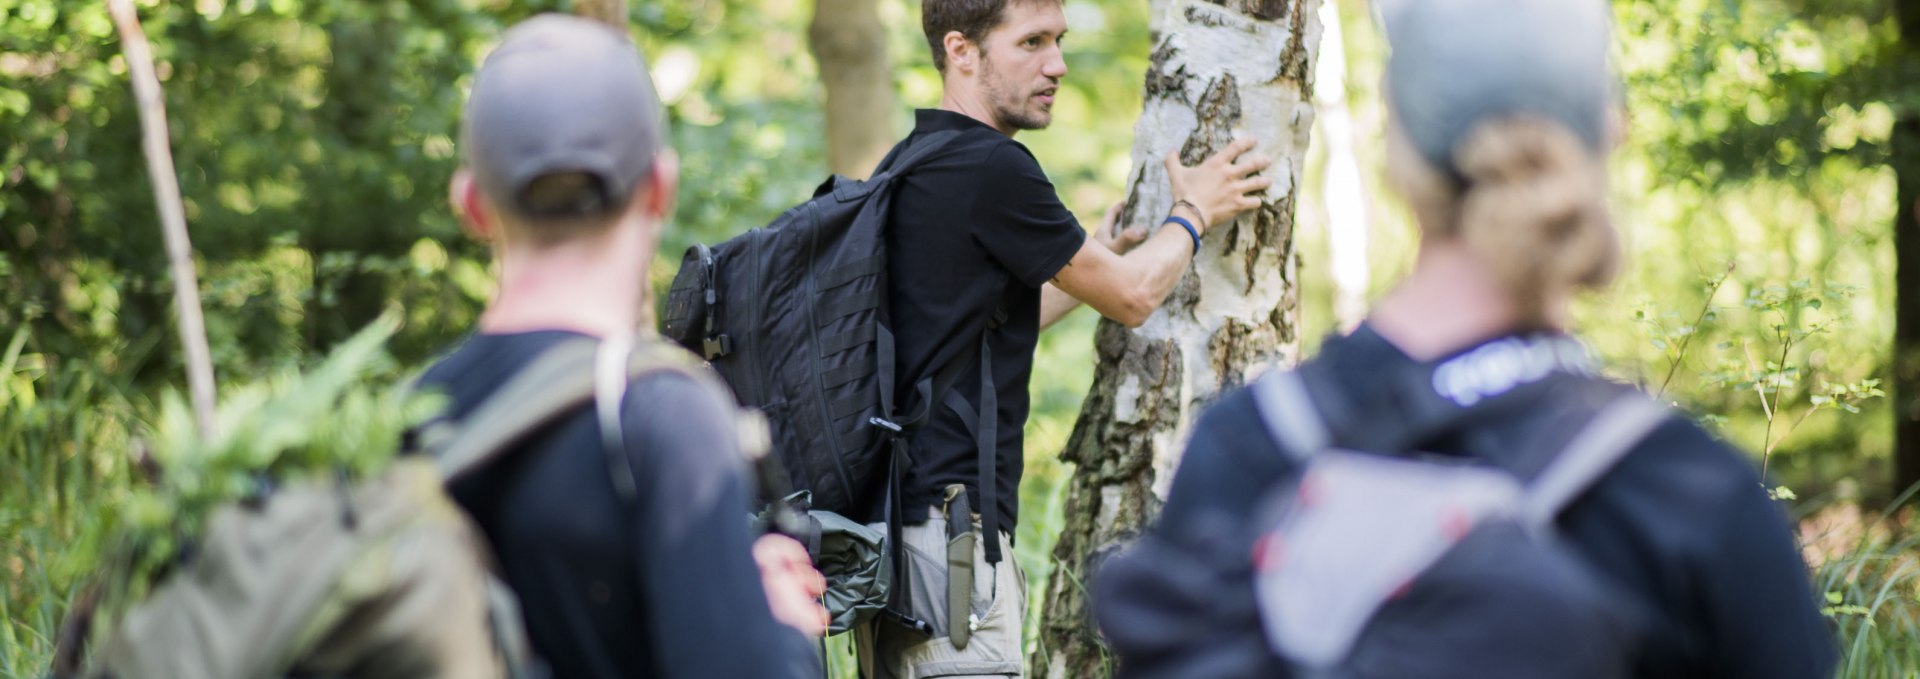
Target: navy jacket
[{"x": 1682, "y": 524}]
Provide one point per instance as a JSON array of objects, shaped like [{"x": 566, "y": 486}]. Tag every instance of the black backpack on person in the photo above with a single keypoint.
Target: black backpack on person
[{"x": 794, "y": 316}]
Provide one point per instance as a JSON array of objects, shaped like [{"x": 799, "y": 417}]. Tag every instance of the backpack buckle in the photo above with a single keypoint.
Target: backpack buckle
[
  {"x": 884, "y": 423},
  {"x": 716, "y": 346}
]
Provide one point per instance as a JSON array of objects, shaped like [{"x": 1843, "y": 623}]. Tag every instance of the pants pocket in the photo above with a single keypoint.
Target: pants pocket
[{"x": 999, "y": 607}]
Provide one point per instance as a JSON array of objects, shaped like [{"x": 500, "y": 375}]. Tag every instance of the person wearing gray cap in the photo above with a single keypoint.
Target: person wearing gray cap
[
  {"x": 568, "y": 178},
  {"x": 1451, "y": 490}
]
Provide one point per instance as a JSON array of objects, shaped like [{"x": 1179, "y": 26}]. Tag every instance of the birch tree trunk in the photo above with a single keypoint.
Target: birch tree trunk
[
  {"x": 850, "y": 47},
  {"x": 1218, "y": 71}
]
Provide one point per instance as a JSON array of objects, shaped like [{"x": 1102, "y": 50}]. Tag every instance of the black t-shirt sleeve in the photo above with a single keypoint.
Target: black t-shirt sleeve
[
  {"x": 1017, "y": 217},
  {"x": 695, "y": 550}
]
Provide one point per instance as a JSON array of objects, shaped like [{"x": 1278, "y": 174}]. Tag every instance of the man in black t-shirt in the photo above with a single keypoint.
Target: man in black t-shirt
[
  {"x": 567, "y": 178},
  {"x": 980, "y": 249}
]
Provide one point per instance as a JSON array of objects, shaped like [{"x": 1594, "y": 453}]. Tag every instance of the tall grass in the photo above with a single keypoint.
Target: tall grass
[
  {"x": 64, "y": 443},
  {"x": 1868, "y": 568}
]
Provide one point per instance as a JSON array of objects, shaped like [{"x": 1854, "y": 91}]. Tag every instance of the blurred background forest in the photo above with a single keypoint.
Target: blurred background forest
[{"x": 1758, "y": 191}]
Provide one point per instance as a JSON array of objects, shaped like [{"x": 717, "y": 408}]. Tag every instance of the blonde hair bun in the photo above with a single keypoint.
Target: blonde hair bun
[{"x": 1534, "y": 206}]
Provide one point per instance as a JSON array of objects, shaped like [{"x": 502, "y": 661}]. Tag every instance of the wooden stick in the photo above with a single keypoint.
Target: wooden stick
[{"x": 173, "y": 220}]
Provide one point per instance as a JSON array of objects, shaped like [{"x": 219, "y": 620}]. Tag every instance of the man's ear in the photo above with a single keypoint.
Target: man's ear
[
  {"x": 464, "y": 197},
  {"x": 662, "y": 185},
  {"x": 961, "y": 52}
]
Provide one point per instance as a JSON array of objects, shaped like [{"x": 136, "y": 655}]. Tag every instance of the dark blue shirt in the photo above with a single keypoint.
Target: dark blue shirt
[{"x": 608, "y": 588}]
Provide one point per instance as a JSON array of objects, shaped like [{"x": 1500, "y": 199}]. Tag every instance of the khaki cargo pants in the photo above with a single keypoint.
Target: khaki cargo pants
[{"x": 889, "y": 651}]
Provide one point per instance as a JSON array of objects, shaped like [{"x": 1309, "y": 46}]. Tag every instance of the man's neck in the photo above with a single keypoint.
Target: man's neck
[
  {"x": 971, "y": 105},
  {"x": 1448, "y": 303},
  {"x": 578, "y": 287}
]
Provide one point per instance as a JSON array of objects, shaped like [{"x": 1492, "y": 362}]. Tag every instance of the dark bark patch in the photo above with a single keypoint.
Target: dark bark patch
[
  {"x": 1199, "y": 17},
  {"x": 1296, "y": 63},
  {"x": 1218, "y": 111},
  {"x": 1237, "y": 346},
  {"x": 1266, "y": 10},
  {"x": 1162, "y": 83}
]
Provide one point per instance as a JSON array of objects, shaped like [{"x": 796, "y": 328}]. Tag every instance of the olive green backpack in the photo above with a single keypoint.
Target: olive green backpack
[{"x": 381, "y": 577}]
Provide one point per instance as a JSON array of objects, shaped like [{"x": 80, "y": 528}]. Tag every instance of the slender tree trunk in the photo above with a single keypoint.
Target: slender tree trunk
[
  {"x": 1217, "y": 72},
  {"x": 1905, "y": 161},
  {"x": 850, "y": 47},
  {"x": 1343, "y": 192}
]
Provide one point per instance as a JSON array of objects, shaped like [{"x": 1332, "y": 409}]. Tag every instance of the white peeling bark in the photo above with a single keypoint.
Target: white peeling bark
[{"x": 1238, "y": 68}]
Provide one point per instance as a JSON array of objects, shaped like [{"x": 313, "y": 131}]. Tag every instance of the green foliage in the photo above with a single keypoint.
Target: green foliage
[
  {"x": 314, "y": 138},
  {"x": 345, "y": 417},
  {"x": 1757, "y": 213}
]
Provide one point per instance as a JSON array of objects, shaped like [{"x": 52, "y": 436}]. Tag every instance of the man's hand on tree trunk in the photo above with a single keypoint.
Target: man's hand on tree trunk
[
  {"x": 1219, "y": 185},
  {"x": 1119, "y": 242}
]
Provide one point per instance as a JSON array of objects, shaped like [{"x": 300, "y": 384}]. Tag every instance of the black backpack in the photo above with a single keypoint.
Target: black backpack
[{"x": 794, "y": 316}]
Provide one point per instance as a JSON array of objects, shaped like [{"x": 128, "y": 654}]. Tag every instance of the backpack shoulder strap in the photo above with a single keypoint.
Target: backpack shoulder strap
[
  {"x": 610, "y": 389},
  {"x": 1615, "y": 431},
  {"x": 907, "y": 157},
  {"x": 1287, "y": 410},
  {"x": 558, "y": 382}
]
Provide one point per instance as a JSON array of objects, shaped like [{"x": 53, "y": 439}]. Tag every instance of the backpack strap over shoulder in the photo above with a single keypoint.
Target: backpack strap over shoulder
[
  {"x": 559, "y": 380},
  {"x": 609, "y": 394},
  {"x": 1287, "y": 409},
  {"x": 1606, "y": 439},
  {"x": 556, "y": 383},
  {"x": 906, "y": 157}
]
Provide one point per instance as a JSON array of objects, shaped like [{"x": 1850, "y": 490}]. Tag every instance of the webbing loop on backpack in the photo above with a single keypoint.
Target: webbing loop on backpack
[{"x": 984, "y": 423}]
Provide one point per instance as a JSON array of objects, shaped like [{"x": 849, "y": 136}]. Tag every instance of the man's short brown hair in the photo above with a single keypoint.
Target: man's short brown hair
[{"x": 972, "y": 18}]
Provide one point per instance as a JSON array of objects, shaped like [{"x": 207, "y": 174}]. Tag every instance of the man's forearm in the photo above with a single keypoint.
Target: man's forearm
[
  {"x": 1158, "y": 264},
  {"x": 1055, "y": 304},
  {"x": 1128, "y": 288}
]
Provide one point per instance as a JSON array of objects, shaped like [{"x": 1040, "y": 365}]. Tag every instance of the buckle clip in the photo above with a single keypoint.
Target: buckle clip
[
  {"x": 716, "y": 346},
  {"x": 884, "y": 423}
]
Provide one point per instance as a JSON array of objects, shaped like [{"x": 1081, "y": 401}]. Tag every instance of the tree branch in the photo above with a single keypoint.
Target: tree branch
[{"x": 173, "y": 220}]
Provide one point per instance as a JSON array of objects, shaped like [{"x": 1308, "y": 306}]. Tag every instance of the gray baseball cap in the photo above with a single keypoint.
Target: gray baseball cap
[
  {"x": 562, "y": 95},
  {"x": 1458, "y": 63}
]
